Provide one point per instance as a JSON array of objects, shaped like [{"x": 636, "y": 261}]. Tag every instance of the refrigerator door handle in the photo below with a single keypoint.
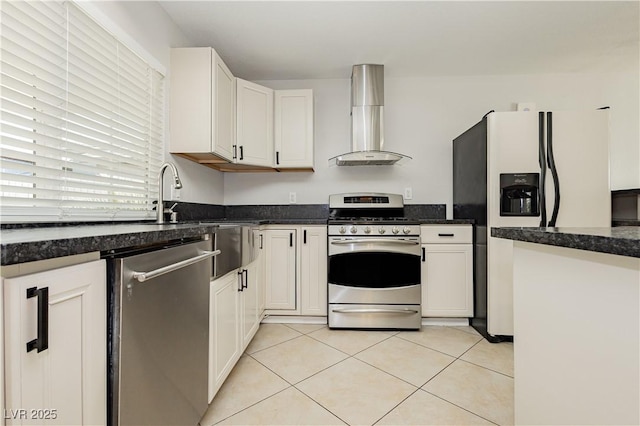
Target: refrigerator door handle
[
  {"x": 554, "y": 171},
  {"x": 543, "y": 170}
]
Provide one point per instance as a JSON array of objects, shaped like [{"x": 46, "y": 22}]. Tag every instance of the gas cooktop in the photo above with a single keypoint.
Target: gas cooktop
[{"x": 367, "y": 208}]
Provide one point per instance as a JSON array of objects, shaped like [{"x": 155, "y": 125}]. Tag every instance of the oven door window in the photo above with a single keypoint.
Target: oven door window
[{"x": 374, "y": 269}]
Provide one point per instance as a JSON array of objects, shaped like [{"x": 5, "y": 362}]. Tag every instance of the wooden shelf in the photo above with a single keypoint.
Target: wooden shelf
[{"x": 218, "y": 163}]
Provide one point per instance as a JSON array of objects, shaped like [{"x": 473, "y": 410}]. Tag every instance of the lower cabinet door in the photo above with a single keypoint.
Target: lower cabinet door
[
  {"x": 250, "y": 303},
  {"x": 55, "y": 370},
  {"x": 224, "y": 345},
  {"x": 447, "y": 280},
  {"x": 313, "y": 271},
  {"x": 280, "y": 269}
]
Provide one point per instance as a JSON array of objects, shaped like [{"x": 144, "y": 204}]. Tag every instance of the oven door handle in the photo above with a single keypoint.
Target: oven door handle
[
  {"x": 374, "y": 311},
  {"x": 375, "y": 240}
]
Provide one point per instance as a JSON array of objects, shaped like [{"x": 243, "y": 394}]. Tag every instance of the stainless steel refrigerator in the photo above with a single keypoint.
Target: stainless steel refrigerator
[{"x": 526, "y": 169}]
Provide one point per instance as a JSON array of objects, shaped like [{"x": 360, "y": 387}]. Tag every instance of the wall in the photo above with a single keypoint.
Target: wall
[
  {"x": 145, "y": 27},
  {"x": 422, "y": 116}
]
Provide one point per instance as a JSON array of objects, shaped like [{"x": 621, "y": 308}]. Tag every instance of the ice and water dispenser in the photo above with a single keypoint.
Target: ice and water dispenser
[{"x": 519, "y": 194}]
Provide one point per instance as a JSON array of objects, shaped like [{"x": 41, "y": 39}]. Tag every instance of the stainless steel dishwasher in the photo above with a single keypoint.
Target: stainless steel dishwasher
[{"x": 159, "y": 334}]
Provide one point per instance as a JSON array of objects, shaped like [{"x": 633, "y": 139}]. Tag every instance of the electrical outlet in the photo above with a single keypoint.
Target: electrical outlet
[
  {"x": 408, "y": 193},
  {"x": 526, "y": 106},
  {"x": 292, "y": 198}
]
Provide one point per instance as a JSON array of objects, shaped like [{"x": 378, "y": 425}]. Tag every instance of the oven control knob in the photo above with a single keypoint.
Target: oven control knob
[
  {"x": 342, "y": 230},
  {"x": 353, "y": 230},
  {"x": 406, "y": 230},
  {"x": 395, "y": 230},
  {"x": 382, "y": 230},
  {"x": 367, "y": 230}
]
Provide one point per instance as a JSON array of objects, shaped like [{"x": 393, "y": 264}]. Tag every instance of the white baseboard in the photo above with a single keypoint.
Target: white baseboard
[
  {"x": 300, "y": 319},
  {"x": 451, "y": 322},
  {"x": 293, "y": 319}
]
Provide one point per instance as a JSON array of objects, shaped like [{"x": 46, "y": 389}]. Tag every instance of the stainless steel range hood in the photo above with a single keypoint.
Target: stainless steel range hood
[{"x": 367, "y": 113}]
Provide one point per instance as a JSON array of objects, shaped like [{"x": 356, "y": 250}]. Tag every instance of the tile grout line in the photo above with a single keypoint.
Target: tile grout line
[
  {"x": 275, "y": 344},
  {"x": 462, "y": 408},
  {"x": 325, "y": 408},
  {"x": 459, "y": 358},
  {"x": 348, "y": 356},
  {"x": 487, "y": 368},
  {"x": 478, "y": 365},
  {"x": 251, "y": 405},
  {"x": 396, "y": 406},
  {"x": 437, "y": 350}
]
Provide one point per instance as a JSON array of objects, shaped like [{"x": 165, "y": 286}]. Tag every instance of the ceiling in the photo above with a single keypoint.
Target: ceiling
[{"x": 268, "y": 40}]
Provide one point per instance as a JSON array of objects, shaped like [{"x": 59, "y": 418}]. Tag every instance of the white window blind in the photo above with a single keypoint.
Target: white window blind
[{"x": 82, "y": 119}]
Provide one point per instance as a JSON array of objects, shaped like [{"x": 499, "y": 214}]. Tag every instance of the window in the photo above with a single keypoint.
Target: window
[{"x": 81, "y": 119}]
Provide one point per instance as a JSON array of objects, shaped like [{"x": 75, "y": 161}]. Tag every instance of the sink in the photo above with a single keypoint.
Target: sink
[
  {"x": 228, "y": 239},
  {"x": 237, "y": 247}
]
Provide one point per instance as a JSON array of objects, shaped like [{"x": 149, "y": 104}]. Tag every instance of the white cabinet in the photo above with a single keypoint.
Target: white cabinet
[
  {"x": 313, "y": 271},
  {"x": 224, "y": 329},
  {"x": 203, "y": 108},
  {"x": 296, "y": 270},
  {"x": 235, "y": 315},
  {"x": 66, "y": 382},
  {"x": 447, "y": 271},
  {"x": 227, "y": 123},
  {"x": 280, "y": 269},
  {"x": 251, "y": 290},
  {"x": 262, "y": 299},
  {"x": 254, "y": 131},
  {"x": 293, "y": 129}
]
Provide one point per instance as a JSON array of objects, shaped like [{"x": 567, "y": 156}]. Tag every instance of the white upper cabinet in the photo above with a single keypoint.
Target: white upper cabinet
[
  {"x": 231, "y": 124},
  {"x": 254, "y": 131},
  {"x": 293, "y": 129},
  {"x": 203, "y": 120}
]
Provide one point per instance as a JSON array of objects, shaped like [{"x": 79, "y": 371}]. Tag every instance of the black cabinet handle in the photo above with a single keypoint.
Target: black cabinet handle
[
  {"x": 241, "y": 282},
  {"x": 41, "y": 343},
  {"x": 235, "y": 151},
  {"x": 241, "y": 153},
  {"x": 446, "y": 235},
  {"x": 277, "y": 157},
  {"x": 260, "y": 241},
  {"x": 304, "y": 236},
  {"x": 423, "y": 255},
  {"x": 291, "y": 239},
  {"x": 245, "y": 284}
]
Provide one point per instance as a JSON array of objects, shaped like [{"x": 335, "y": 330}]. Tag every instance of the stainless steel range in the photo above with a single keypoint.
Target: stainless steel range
[{"x": 374, "y": 263}]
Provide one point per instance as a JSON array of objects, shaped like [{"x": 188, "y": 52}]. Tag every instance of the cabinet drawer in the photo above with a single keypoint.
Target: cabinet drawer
[{"x": 446, "y": 234}]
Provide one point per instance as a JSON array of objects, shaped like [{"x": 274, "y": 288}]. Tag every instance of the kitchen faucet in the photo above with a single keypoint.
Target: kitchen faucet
[{"x": 177, "y": 184}]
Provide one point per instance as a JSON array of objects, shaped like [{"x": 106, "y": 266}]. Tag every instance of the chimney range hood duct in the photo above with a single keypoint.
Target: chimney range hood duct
[{"x": 367, "y": 107}]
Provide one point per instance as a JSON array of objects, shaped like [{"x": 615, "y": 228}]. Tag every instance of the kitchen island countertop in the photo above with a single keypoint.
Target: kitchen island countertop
[
  {"x": 621, "y": 240},
  {"x": 576, "y": 307}
]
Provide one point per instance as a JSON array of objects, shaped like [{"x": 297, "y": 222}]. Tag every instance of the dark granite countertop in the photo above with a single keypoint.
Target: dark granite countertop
[
  {"x": 39, "y": 243},
  {"x": 30, "y": 244},
  {"x": 621, "y": 240},
  {"x": 446, "y": 221}
]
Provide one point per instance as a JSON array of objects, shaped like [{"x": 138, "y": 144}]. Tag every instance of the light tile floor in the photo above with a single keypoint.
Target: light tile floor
[{"x": 302, "y": 374}]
